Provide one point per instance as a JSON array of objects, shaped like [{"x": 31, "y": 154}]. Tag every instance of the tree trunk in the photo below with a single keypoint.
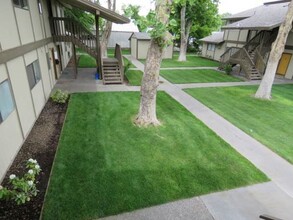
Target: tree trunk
[
  {"x": 183, "y": 39},
  {"x": 265, "y": 88},
  {"x": 150, "y": 82},
  {"x": 185, "y": 30},
  {"x": 107, "y": 31}
]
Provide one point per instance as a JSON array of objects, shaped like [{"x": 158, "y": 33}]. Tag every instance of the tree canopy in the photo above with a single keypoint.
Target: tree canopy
[{"x": 201, "y": 15}]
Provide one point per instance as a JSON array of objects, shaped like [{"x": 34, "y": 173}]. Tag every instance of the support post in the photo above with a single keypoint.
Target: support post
[
  {"x": 74, "y": 60},
  {"x": 98, "y": 58}
]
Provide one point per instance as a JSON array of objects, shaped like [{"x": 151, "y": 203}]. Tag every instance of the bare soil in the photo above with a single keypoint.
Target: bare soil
[{"x": 41, "y": 144}]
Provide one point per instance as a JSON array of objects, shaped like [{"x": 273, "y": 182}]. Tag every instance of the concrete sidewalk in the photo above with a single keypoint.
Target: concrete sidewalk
[{"x": 246, "y": 203}]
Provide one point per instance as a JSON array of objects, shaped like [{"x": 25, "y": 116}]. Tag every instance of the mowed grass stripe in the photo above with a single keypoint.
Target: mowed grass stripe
[{"x": 270, "y": 122}]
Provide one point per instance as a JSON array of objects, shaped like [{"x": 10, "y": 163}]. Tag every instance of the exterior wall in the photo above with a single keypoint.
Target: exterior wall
[
  {"x": 142, "y": 50},
  {"x": 10, "y": 37},
  {"x": 121, "y": 38},
  {"x": 168, "y": 54},
  {"x": 215, "y": 55},
  {"x": 22, "y": 27},
  {"x": 236, "y": 38},
  {"x": 143, "y": 47},
  {"x": 133, "y": 43}
]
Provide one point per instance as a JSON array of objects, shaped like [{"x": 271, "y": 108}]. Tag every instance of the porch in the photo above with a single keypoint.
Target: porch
[{"x": 110, "y": 70}]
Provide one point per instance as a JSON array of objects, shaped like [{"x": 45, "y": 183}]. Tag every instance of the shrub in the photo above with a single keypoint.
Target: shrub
[
  {"x": 59, "y": 96},
  {"x": 22, "y": 188},
  {"x": 228, "y": 69},
  {"x": 127, "y": 66}
]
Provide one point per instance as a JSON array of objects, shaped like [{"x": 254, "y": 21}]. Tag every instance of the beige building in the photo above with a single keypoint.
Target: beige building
[
  {"x": 140, "y": 43},
  {"x": 33, "y": 53},
  {"x": 247, "y": 37},
  {"x": 213, "y": 46}
]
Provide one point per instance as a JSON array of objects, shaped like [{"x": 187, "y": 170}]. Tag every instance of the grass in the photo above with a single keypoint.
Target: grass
[
  {"x": 192, "y": 61},
  {"x": 270, "y": 122},
  {"x": 197, "y": 76},
  {"x": 134, "y": 77},
  {"x": 86, "y": 61},
  {"x": 105, "y": 165}
]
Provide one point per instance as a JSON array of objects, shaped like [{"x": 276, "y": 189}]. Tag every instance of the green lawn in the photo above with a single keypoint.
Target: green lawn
[
  {"x": 192, "y": 61},
  {"x": 86, "y": 61},
  {"x": 106, "y": 165},
  {"x": 270, "y": 122},
  {"x": 197, "y": 76},
  {"x": 134, "y": 77}
]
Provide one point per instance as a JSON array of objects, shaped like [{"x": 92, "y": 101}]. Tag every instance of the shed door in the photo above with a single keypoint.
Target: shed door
[{"x": 284, "y": 63}]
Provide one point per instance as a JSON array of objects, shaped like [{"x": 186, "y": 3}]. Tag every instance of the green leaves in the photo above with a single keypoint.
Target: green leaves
[
  {"x": 22, "y": 189},
  {"x": 150, "y": 23}
]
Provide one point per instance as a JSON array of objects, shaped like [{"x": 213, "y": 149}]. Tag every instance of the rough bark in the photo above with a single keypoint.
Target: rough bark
[
  {"x": 184, "y": 34},
  {"x": 107, "y": 30},
  {"x": 265, "y": 88},
  {"x": 150, "y": 82}
]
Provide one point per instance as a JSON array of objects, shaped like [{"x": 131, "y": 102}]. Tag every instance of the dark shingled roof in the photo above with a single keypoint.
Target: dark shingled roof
[
  {"x": 217, "y": 38},
  {"x": 265, "y": 17},
  {"x": 140, "y": 36}
]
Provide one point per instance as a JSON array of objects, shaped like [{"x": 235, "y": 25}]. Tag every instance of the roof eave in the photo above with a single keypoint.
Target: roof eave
[{"x": 97, "y": 9}]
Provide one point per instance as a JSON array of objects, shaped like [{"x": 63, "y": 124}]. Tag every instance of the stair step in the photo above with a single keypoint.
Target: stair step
[
  {"x": 112, "y": 82},
  {"x": 112, "y": 77},
  {"x": 112, "y": 74},
  {"x": 111, "y": 71}
]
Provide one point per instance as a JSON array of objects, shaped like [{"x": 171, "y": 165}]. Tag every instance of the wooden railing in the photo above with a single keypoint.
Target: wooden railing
[
  {"x": 260, "y": 64},
  {"x": 119, "y": 57},
  {"x": 69, "y": 30},
  {"x": 231, "y": 52}
]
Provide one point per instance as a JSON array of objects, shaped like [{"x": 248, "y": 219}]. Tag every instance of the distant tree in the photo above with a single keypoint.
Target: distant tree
[
  {"x": 107, "y": 30},
  {"x": 86, "y": 19},
  {"x": 265, "y": 87},
  {"x": 132, "y": 11},
  {"x": 225, "y": 15},
  {"x": 198, "y": 16}
]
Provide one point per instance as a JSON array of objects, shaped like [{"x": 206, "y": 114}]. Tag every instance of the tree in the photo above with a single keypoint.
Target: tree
[
  {"x": 265, "y": 88},
  {"x": 132, "y": 11},
  {"x": 86, "y": 19},
  {"x": 196, "y": 16},
  {"x": 150, "y": 82},
  {"x": 107, "y": 30}
]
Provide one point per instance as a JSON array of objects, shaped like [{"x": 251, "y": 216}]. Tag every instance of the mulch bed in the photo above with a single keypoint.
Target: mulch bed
[{"x": 41, "y": 144}]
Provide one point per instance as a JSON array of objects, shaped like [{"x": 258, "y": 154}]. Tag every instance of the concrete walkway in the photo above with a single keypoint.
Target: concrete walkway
[{"x": 274, "y": 198}]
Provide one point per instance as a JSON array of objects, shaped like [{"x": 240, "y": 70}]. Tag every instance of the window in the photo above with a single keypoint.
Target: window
[
  {"x": 40, "y": 7},
  {"x": 21, "y": 4},
  {"x": 211, "y": 47},
  {"x": 48, "y": 61},
  {"x": 6, "y": 101},
  {"x": 33, "y": 73}
]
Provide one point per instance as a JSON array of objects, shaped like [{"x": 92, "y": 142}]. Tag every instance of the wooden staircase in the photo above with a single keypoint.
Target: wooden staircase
[
  {"x": 69, "y": 30},
  {"x": 111, "y": 71},
  {"x": 251, "y": 56}
]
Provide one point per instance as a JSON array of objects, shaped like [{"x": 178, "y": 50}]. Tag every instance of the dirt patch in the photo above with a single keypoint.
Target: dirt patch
[{"x": 41, "y": 144}]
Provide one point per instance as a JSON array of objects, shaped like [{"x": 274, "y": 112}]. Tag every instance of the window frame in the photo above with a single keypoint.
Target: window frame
[
  {"x": 22, "y": 4},
  {"x": 36, "y": 76},
  {"x": 211, "y": 47},
  {"x": 11, "y": 100}
]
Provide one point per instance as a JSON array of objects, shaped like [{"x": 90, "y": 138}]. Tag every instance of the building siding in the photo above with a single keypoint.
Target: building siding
[{"x": 23, "y": 27}]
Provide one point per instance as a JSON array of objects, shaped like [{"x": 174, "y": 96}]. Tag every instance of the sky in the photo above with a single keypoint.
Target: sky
[{"x": 231, "y": 6}]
